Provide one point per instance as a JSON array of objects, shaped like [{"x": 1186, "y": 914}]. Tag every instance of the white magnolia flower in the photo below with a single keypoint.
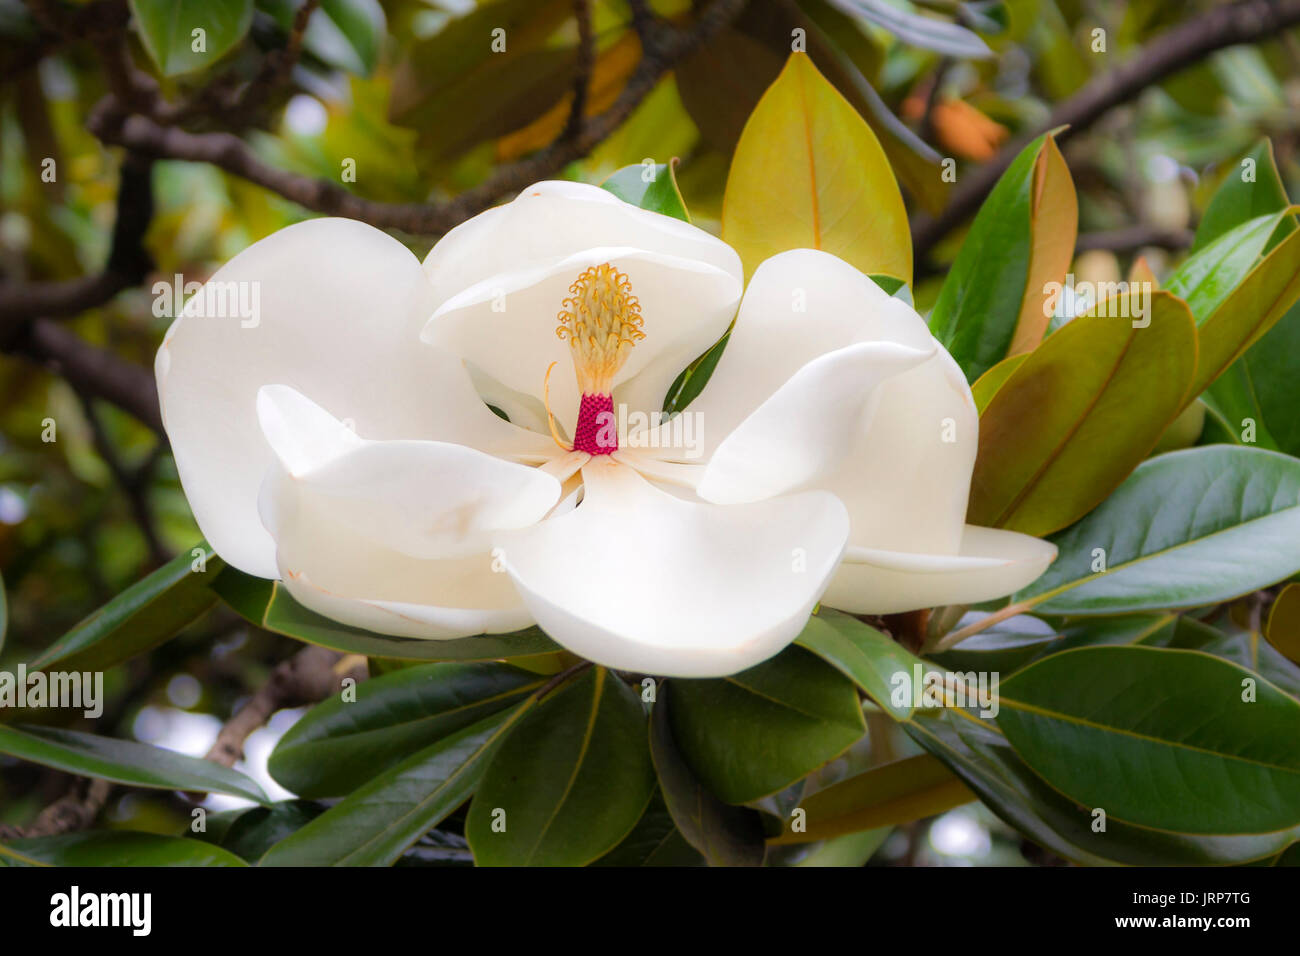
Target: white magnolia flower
[{"x": 343, "y": 441}]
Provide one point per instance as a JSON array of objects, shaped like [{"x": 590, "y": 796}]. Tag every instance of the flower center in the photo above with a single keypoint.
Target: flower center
[{"x": 601, "y": 320}]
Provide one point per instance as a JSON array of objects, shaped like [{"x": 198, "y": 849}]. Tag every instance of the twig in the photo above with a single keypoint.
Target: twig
[
  {"x": 586, "y": 64},
  {"x": 74, "y": 811},
  {"x": 312, "y": 674},
  {"x": 1173, "y": 50},
  {"x": 663, "y": 45}
]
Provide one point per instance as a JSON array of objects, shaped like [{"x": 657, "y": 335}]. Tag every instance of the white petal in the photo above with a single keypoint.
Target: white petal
[
  {"x": 991, "y": 564},
  {"x": 905, "y": 478},
  {"x": 505, "y": 326},
  {"x": 329, "y": 566},
  {"x": 552, "y": 220},
  {"x": 422, "y": 498},
  {"x": 637, "y": 579},
  {"x": 800, "y": 434},
  {"x": 339, "y": 306}
]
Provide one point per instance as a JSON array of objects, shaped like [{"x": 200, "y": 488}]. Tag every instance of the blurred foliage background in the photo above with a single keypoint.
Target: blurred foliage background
[{"x": 414, "y": 103}]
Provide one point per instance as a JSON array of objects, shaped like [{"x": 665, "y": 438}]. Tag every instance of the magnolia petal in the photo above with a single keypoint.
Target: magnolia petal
[
  {"x": 339, "y": 309},
  {"x": 505, "y": 327},
  {"x": 421, "y": 498},
  {"x": 905, "y": 477},
  {"x": 329, "y": 566},
  {"x": 552, "y": 220},
  {"x": 637, "y": 579},
  {"x": 991, "y": 564},
  {"x": 801, "y": 432}
]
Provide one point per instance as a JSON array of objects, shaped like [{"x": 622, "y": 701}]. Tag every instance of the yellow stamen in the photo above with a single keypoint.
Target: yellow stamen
[
  {"x": 546, "y": 397},
  {"x": 602, "y": 321}
]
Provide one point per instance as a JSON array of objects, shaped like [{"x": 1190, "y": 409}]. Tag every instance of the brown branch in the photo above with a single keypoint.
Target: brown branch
[
  {"x": 585, "y": 66},
  {"x": 1134, "y": 237},
  {"x": 92, "y": 370},
  {"x": 311, "y": 675},
  {"x": 74, "y": 811},
  {"x": 133, "y": 483},
  {"x": 1175, "y": 49},
  {"x": 128, "y": 262},
  {"x": 663, "y": 45}
]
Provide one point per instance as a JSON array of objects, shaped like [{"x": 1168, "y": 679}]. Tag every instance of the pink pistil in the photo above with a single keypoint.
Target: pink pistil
[{"x": 597, "y": 431}]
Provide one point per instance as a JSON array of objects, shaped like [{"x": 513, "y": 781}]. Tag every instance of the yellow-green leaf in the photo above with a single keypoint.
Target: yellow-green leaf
[
  {"x": 808, "y": 173},
  {"x": 1080, "y": 413},
  {"x": 1283, "y": 629}
]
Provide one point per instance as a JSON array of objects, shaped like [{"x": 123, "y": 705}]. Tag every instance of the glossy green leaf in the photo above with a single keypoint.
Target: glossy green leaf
[
  {"x": 983, "y": 758},
  {"x": 992, "y": 302},
  {"x": 1240, "y": 199},
  {"x": 123, "y": 761},
  {"x": 867, "y": 657},
  {"x": 1206, "y": 279},
  {"x": 654, "y": 841},
  {"x": 1168, "y": 739},
  {"x": 338, "y": 745},
  {"x": 571, "y": 781},
  {"x": 122, "y": 848},
  {"x": 269, "y": 606},
  {"x": 1074, "y": 419},
  {"x": 1257, "y": 400},
  {"x": 887, "y": 795},
  {"x": 1189, "y": 528},
  {"x": 805, "y": 144},
  {"x": 652, "y": 187},
  {"x": 725, "y": 834},
  {"x": 756, "y": 732},
  {"x": 374, "y": 825},
  {"x": 139, "y": 619},
  {"x": 1243, "y": 647},
  {"x": 248, "y": 832},
  {"x": 185, "y": 35}
]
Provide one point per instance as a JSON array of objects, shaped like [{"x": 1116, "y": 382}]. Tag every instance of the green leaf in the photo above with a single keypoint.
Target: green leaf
[
  {"x": 992, "y": 302},
  {"x": 860, "y": 652},
  {"x": 808, "y": 148},
  {"x": 249, "y": 832},
  {"x": 375, "y": 824},
  {"x": 1079, "y": 413},
  {"x": 756, "y": 732},
  {"x": 269, "y": 606},
  {"x": 726, "y": 835},
  {"x": 569, "y": 783},
  {"x": 123, "y": 761},
  {"x": 122, "y": 848},
  {"x": 1189, "y": 528},
  {"x": 981, "y": 756},
  {"x": 654, "y": 841},
  {"x": 1159, "y": 738},
  {"x": 658, "y": 194},
  {"x": 1206, "y": 279},
  {"x": 348, "y": 34},
  {"x": 339, "y": 745},
  {"x": 167, "y": 29},
  {"x": 1237, "y": 201},
  {"x": 887, "y": 795},
  {"x": 139, "y": 619}
]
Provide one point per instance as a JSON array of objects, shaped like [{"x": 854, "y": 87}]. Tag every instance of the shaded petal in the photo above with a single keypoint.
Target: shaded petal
[
  {"x": 991, "y": 564},
  {"x": 637, "y": 579},
  {"x": 505, "y": 327},
  {"x": 339, "y": 306},
  {"x": 421, "y": 498},
  {"x": 905, "y": 477},
  {"x": 552, "y": 220},
  {"x": 802, "y": 431}
]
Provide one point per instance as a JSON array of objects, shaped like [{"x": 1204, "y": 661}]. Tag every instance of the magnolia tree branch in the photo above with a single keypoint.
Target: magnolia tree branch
[
  {"x": 1175, "y": 49},
  {"x": 74, "y": 811},
  {"x": 663, "y": 45},
  {"x": 311, "y": 675}
]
